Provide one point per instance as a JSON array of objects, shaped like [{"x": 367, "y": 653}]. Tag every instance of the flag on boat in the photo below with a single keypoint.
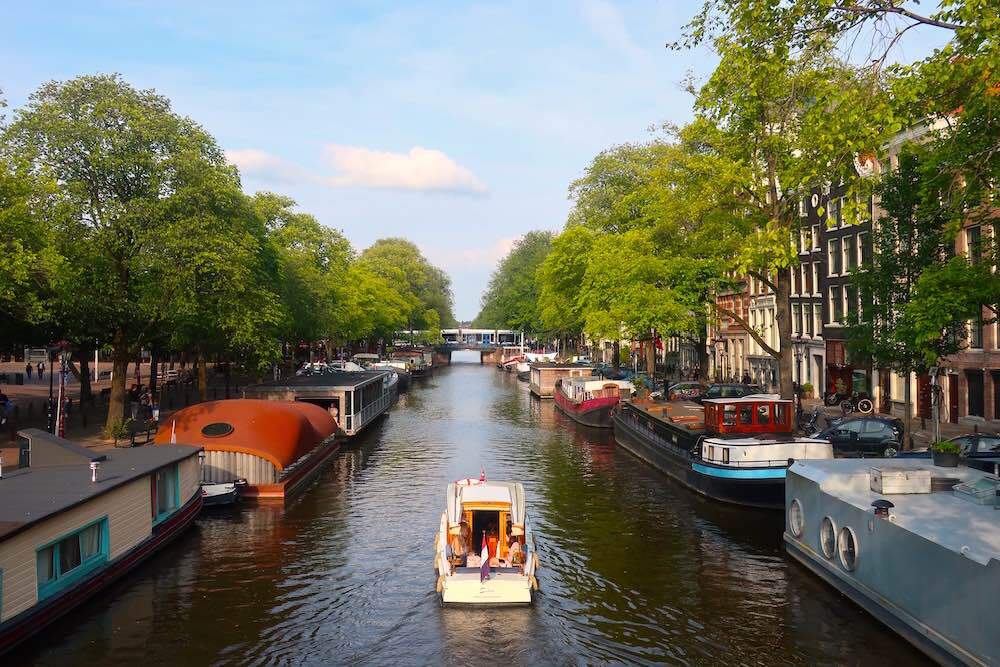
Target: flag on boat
[{"x": 484, "y": 569}]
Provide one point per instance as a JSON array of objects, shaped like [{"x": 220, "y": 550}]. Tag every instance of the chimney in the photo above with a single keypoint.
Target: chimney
[{"x": 94, "y": 465}]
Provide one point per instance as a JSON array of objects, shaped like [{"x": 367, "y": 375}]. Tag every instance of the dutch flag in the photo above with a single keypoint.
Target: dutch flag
[{"x": 484, "y": 569}]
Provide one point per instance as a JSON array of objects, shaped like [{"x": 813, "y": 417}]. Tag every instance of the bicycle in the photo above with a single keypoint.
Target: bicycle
[{"x": 857, "y": 402}]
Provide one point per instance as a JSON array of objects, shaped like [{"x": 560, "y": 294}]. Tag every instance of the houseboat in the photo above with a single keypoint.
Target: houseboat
[
  {"x": 417, "y": 364},
  {"x": 544, "y": 374},
  {"x": 915, "y": 545},
  {"x": 478, "y": 513},
  {"x": 356, "y": 399},
  {"x": 394, "y": 368},
  {"x": 590, "y": 400},
  {"x": 276, "y": 447},
  {"x": 74, "y": 520},
  {"x": 736, "y": 451},
  {"x": 508, "y": 354}
]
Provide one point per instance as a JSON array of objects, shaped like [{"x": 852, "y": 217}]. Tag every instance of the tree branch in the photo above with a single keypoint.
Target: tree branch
[
  {"x": 764, "y": 279},
  {"x": 902, "y": 11},
  {"x": 746, "y": 326}
]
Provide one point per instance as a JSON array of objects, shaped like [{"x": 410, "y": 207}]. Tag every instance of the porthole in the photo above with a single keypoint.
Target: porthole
[
  {"x": 848, "y": 547},
  {"x": 795, "y": 518},
  {"x": 217, "y": 430},
  {"x": 828, "y": 537}
]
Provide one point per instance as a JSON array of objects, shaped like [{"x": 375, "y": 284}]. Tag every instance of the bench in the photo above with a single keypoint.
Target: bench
[{"x": 130, "y": 437}]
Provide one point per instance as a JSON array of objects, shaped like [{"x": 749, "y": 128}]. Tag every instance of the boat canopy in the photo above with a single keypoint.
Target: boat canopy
[
  {"x": 365, "y": 356},
  {"x": 758, "y": 413},
  {"x": 278, "y": 431},
  {"x": 474, "y": 491}
]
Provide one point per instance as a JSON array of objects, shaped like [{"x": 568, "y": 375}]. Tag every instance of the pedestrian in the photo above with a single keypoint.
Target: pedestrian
[
  {"x": 41, "y": 370},
  {"x": 27, "y": 370},
  {"x": 746, "y": 377}
]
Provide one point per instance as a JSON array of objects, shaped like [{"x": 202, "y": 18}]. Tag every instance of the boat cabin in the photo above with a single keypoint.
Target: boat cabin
[
  {"x": 757, "y": 413},
  {"x": 491, "y": 509},
  {"x": 545, "y": 374},
  {"x": 580, "y": 389},
  {"x": 365, "y": 358}
]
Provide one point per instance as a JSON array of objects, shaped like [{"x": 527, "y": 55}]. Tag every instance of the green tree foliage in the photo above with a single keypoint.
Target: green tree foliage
[
  {"x": 511, "y": 299},
  {"x": 425, "y": 286},
  {"x": 560, "y": 277}
]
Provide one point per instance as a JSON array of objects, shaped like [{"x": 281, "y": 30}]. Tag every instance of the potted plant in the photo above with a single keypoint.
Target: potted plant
[
  {"x": 946, "y": 454},
  {"x": 807, "y": 390}
]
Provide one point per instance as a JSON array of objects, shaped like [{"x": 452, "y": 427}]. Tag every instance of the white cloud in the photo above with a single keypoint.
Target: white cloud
[
  {"x": 457, "y": 259},
  {"x": 420, "y": 169}
]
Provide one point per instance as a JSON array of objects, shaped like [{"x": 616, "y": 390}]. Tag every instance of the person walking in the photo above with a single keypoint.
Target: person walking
[
  {"x": 27, "y": 370},
  {"x": 41, "y": 370}
]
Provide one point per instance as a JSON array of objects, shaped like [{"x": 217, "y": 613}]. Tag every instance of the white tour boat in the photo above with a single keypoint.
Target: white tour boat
[{"x": 484, "y": 551}]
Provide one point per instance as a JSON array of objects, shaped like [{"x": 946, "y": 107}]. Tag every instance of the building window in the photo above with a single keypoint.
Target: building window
[
  {"x": 851, "y": 296},
  {"x": 815, "y": 278},
  {"x": 165, "y": 492},
  {"x": 805, "y": 242},
  {"x": 807, "y": 316},
  {"x": 802, "y": 207},
  {"x": 976, "y": 332},
  {"x": 850, "y": 253},
  {"x": 796, "y": 319},
  {"x": 864, "y": 249},
  {"x": 974, "y": 242},
  {"x": 836, "y": 214},
  {"x": 836, "y": 304},
  {"x": 795, "y": 280},
  {"x": 807, "y": 282},
  {"x": 815, "y": 237},
  {"x": 818, "y": 319},
  {"x": 834, "y": 258},
  {"x": 65, "y": 561}
]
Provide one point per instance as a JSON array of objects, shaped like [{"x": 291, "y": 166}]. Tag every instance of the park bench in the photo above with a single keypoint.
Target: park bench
[{"x": 136, "y": 433}]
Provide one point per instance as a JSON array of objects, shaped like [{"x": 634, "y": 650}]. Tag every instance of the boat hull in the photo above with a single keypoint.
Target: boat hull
[
  {"x": 499, "y": 589},
  {"x": 595, "y": 413},
  {"x": 762, "y": 488},
  {"x": 523, "y": 376},
  {"x": 31, "y": 622}
]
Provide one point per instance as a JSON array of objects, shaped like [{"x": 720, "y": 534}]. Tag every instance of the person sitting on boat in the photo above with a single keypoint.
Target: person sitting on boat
[
  {"x": 473, "y": 560},
  {"x": 460, "y": 544},
  {"x": 514, "y": 555},
  {"x": 492, "y": 538}
]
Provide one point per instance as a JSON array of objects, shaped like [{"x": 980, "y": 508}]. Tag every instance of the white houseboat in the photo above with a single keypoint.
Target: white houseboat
[
  {"x": 73, "y": 520},
  {"x": 915, "y": 545},
  {"x": 479, "y": 513}
]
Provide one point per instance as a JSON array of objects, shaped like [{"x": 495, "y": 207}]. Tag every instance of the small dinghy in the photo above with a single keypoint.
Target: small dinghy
[
  {"x": 484, "y": 550},
  {"x": 215, "y": 495}
]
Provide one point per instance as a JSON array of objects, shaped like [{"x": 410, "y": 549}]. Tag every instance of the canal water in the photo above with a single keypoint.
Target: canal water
[{"x": 634, "y": 569}]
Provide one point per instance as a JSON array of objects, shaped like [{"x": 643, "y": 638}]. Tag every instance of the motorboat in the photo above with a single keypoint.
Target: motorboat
[
  {"x": 737, "y": 451},
  {"x": 484, "y": 551},
  {"x": 218, "y": 494},
  {"x": 590, "y": 401},
  {"x": 523, "y": 370},
  {"x": 396, "y": 367}
]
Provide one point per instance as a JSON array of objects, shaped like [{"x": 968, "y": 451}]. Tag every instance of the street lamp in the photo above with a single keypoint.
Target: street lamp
[
  {"x": 797, "y": 348},
  {"x": 717, "y": 357}
]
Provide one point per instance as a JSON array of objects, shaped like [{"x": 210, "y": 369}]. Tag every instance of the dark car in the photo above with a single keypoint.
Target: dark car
[
  {"x": 729, "y": 391},
  {"x": 872, "y": 436},
  {"x": 686, "y": 391},
  {"x": 974, "y": 445}
]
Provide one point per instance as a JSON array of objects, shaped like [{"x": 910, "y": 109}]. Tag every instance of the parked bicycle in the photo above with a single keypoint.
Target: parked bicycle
[
  {"x": 809, "y": 422},
  {"x": 857, "y": 402}
]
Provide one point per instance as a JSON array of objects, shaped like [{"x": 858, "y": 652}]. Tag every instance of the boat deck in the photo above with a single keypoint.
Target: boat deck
[{"x": 941, "y": 517}]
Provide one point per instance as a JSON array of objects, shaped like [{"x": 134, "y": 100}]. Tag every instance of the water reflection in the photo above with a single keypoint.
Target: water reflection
[{"x": 634, "y": 569}]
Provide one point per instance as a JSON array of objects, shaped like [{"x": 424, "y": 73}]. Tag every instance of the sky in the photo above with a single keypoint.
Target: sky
[{"x": 456, "y": 125}]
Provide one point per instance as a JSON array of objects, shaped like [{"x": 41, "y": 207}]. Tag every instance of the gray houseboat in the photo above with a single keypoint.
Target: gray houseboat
[
  {"x": 355, "y": 399},
  {"x": 915, "y": 545}
]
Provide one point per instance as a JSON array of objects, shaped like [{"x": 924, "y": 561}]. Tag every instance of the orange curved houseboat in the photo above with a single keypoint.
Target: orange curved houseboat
[{"x": 276, "y": 446}]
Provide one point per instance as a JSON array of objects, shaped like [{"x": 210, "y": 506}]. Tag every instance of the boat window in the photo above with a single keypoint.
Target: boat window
[
  {"x": 729, "y": 415},
  {"x": 779, "y": 414},
  {"x": 711, "y": 452},
  {"x": 216, "y": 430},
  {"x": 64, "y": 562},
  {"x": 725, "y": 454},
  {"x": 764, "y": 414},
  {"x": 746, "y": 415},
  {"x": 848, "y": 548},
  {"x": 795, "y": 518},
  {"x": 164, "y": 492},
  {"x": 828, "y": 537}
]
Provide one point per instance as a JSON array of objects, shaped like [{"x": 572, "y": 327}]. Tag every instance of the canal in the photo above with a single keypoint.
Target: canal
[{"x": 634, "y": 569}]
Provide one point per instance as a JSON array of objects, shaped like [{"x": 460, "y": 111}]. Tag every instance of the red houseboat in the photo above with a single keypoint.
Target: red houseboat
[{"x": 590, "y": 401}]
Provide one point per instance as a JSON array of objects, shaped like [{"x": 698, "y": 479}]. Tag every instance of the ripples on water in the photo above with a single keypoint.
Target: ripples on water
[{"x": 634, "y": 569}]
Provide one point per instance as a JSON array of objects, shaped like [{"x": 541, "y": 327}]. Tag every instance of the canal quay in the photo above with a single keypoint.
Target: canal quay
[{"x": 634, "y": 568}]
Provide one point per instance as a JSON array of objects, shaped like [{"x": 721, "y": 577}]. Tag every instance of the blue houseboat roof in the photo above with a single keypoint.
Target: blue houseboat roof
[{"x": 58, "y": 478}]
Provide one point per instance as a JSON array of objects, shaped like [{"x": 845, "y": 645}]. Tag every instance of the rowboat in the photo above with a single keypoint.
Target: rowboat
[{"x": 484, "y": 549}]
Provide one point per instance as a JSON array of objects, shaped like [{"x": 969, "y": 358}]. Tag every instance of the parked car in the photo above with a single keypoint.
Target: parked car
[
  {"x": 865, "y": 436},
  {"x": 730, "y": 390},
  {"x": 974, "y": 445},
  {"x": 685, "y": 391}
]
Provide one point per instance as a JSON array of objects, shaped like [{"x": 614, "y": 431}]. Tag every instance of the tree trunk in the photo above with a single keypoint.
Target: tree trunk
[
  {"x": 702, "y": 352},
  {"x": 908, "y": 416},
  {"x": 783, "y": 320},
  {"x": 651, "y": 359},
  {"x": 85, "y": 391},
  {"x": 616, "y": 356},
  {"x": 202, "y": 378},
  {"x": 116, "y": 402}
]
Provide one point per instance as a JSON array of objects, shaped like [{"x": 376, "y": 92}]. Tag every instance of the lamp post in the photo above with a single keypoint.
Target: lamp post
[
  {"x": 797, "y": 346},
  {"x": 717, "y": 357}
]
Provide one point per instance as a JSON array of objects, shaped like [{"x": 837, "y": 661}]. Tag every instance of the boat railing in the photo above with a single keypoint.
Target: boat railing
[{"x": 758, "y": 463}]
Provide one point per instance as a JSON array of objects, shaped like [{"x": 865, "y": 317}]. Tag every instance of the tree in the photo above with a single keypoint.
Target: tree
[
  {"x": 425, "y": 285},
  {"x": 120, "y": 156},
  {"x": 560, "y": 277},
  {"x": 511, "y": 299}
]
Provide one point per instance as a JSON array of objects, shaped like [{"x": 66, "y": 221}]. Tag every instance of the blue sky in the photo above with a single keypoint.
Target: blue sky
[{"x": 456, "y": 125}]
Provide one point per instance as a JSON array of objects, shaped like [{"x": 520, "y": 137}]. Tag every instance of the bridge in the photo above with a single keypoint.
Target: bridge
[{"x": 489, "y": 342}]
